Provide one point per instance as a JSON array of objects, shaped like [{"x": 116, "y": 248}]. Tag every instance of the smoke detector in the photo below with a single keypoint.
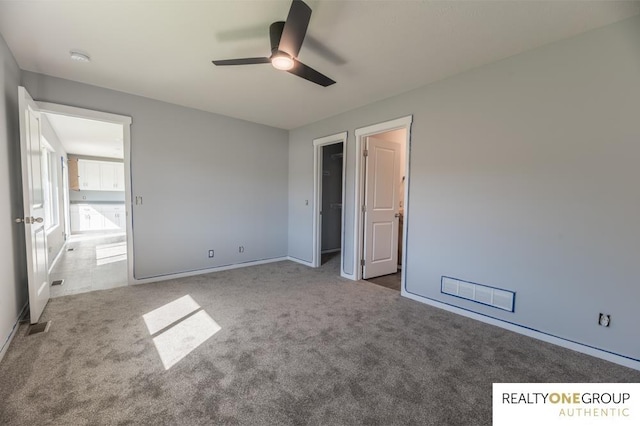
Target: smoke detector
[{"x": 79, "y": 56}]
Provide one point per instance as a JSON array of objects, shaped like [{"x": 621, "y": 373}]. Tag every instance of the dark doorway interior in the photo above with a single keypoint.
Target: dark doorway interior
[{"x": 331, "y": 199}]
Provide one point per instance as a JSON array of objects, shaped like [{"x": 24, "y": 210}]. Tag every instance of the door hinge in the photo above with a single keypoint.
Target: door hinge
[
  {"x": 365, "y": 152},
  {"x": 362, "y": 262},
  {"x": 364, "y": 209}
]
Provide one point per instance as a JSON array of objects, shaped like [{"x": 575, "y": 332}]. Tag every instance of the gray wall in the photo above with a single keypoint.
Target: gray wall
[
  {"x": 524, "y": 176},
  {"x": 207, "y": 181},
  {"x": 13, "y": 270},
  {"x": 55, "y": 236}
]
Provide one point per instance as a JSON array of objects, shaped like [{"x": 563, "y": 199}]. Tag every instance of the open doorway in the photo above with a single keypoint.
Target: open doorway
[
  {"x": 331, "y": 202},
  {"x": 329, "y": 170},
  {"x": 382, "y": 182},
  {"x": 90, "y": 245}
]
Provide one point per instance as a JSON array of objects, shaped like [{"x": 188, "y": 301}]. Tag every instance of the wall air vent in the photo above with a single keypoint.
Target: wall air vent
[{"x": 490, "y": 296}]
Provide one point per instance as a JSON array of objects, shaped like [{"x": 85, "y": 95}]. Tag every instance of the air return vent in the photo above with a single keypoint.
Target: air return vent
[
  {"x": 491, "y": 296},
  {"x": 41, "y": 327}
]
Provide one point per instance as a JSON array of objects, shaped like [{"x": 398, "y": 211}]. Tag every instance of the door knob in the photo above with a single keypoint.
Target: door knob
[
  {"x": 397, "y": 215},
  {"x": 29, "y": 220}
]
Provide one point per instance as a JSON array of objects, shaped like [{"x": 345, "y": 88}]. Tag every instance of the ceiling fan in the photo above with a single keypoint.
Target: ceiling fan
[{"x": 286, "y": 41}]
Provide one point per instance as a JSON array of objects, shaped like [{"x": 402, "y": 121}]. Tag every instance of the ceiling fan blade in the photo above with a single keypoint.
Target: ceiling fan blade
[
  {"x": 295, "y": 28},
  {"x": 243, "y": 61},
  {"x": 308, "y": 73}
]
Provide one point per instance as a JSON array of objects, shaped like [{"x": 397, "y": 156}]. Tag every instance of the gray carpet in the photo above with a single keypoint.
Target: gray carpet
[{"x": 297, "y": 346}]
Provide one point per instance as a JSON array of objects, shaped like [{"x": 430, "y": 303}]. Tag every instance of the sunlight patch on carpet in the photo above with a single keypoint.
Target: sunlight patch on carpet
[{"x": 179, "y": 328}]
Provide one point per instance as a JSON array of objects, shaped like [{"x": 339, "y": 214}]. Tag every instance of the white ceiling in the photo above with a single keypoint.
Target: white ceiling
[
  {"x": 81, "y": 136},
  {"x": 373, "y": 49}
]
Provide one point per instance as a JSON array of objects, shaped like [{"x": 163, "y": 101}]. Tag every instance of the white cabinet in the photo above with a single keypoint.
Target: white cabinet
[
  {"x": 74, "y": 217},
  {"x": 118, "y": 169},
  {"x": 114, "y": 217},
  {"x": 89, "y": 175},
  {"x": 107, "y": 177},
  {"x": 101, "y": 175},
  {"x": 97, "y": 217}
]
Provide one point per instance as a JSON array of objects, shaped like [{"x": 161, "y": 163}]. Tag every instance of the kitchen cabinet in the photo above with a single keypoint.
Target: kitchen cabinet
[
  {"x": 100, "y": 175},
  {"x": 97, "y": 217},
  {"x": 114, "y": 216},
  {"x": 89, "y": 175},
  {"x": 112, "y": 176},
  {"x": 118, "y": 169}
]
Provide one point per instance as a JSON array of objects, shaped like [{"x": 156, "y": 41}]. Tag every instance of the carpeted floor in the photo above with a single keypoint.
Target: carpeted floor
[{"x": 296, "y": 346}]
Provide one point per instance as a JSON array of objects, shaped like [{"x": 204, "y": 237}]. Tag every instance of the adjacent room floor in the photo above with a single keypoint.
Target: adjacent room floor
[
  {"x": 392, "y": 281},
  {"x": 278, "y": 343},
  {"x": 91, "y": 262}
]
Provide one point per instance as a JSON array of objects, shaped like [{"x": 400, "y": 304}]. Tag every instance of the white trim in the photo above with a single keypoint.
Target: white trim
[
  {"x": 125, "y": 121},
  {"x": 90, "y": 114},
  {"x": 13, "y": 332},
  {"x": 58, "y": 256},
  {"x": 208, "y": 270},
  {"x": 300, "y": 261},
  {"x": 527, "y": 331},
  {"x": 360, "y": 135},
  {"x": 317, "y": 194}
]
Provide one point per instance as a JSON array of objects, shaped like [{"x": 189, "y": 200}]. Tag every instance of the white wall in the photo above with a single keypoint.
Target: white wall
[
  {"x": 207, "y": 181},
  {"x": 13, "y": 290},
  {"x": 55, "y": 236},
  {"x": 524, "y": 176}
]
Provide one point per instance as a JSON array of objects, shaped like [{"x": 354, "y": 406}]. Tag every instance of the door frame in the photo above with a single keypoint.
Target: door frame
[
  {"x": 358, "y": 215},
  {"x": 318, "y": 144},
  {"x": 65, "y": 200},
  {"x": 125, "y": 122}
]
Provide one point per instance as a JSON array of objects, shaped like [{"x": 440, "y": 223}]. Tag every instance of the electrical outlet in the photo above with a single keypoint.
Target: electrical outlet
[
  {"x": 604, "y": 320},
  {"x": 210, "y": 253}
]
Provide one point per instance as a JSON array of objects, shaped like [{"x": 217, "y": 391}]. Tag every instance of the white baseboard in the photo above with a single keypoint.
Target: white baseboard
[
  {"x": 300, "y": 261},
  {"x": 578, "y": 347},
  {"x": 134, "y": 281},
  {"x": 12, "y": 333}
]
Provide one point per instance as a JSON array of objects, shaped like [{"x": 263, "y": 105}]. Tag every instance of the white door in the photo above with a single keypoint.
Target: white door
[
  {"x": 381, "y": 217},
  {"x": 33, "y": 197}
]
